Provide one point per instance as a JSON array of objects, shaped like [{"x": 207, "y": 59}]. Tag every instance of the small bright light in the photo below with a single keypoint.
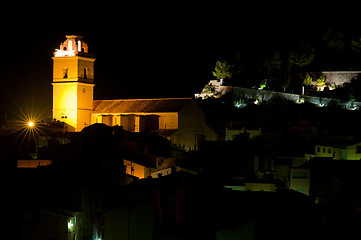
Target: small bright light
[
  {"x": 70, "y": 225},
  {"x": 63, "y": 53},
  {"x": 31, "y": 124}
]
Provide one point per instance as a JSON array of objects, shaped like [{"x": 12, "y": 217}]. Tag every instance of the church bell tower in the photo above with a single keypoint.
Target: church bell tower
[{"x": 73, "y": 83}]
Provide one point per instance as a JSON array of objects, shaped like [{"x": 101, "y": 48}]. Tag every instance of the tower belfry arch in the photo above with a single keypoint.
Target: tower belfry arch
[{"x": 73, "y": 83}]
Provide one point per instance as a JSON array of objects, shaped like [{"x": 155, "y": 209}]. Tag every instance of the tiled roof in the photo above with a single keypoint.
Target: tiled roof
[{"x": 140, "y": 105}]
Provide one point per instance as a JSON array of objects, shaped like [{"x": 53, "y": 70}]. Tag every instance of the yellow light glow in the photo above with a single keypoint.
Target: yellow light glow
[
  {"x": 62, "y": 53},
  {"x": 70, "y": 45},
  {"x": 65, "y": 103},
  {"x": 27, "y": 124}
]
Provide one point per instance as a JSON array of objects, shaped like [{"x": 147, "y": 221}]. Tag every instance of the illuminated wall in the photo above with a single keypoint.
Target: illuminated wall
[
  {"x": 27, "y": 163},
  {"x": 231, "y": 133},
  {"x": 168, "y": 120},
  {"x": 136, "y": 170},
  {"x": 135, "y": 121},
  {"x": 300, "y": 180},
  {"x": 84, "y": 104},
  {"x": 243, "y": 96},
  {"x": 188, "y": 124},
  {"x": 72, "y": 104},
  {"x": 353, "y": 152},
  {"x": 192, "y": 128},
  {"x": 324, "y": 151},
  {"x": 187, "y": 127},
  {"x": 73, "y": 77},
  {"x": 64, "y": 104},
  {"x": 260, "y": 187}
]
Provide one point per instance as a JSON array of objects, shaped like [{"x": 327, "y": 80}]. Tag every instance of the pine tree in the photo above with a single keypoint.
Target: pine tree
[
  {"x": 223, "y": 70},
  {"x": 307, "y": 80}
]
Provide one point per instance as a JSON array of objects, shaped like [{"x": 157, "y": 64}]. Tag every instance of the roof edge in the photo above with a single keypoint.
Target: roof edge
[{"x": 143, "y": 99}]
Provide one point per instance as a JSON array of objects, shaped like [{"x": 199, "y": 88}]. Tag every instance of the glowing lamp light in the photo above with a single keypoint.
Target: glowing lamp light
[
  {"x": 70, "y": 225},
  {"x": 63, "y": 53},
  {"x": 31, "y": 124}
]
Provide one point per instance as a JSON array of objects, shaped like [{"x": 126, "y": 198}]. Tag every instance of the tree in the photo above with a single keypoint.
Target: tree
[
  {"x": 321, "y": 83},
  {"x": 307, "y": 80},
  {"x": 356, "y": 45},
  {"x": 333, "y": 39},
  {"x": 355, "y": 87},
  {"x": 223, "y": 70},
  {"x": 300, "y": 53},
  {"x": 302, "y": 56},
  {"x": 271, "y": 64}
]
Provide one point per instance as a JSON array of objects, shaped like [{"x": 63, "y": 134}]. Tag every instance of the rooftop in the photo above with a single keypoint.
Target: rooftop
[{"x": 140, "y": 105}]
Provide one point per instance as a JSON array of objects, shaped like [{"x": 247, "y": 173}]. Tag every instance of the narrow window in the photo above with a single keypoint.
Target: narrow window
[
  {"x": 70, "y": 45},
  {"x": 85, "y": 74},
  {"x": 65, "y": 73}
]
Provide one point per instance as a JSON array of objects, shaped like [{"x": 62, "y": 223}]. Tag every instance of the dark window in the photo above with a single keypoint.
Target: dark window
[
  {"x": 358, "y": 149},
  {"x": 65, "y": 73},
  {"x": 318, "y": 149},
  {"x": 85, "y": 74}
]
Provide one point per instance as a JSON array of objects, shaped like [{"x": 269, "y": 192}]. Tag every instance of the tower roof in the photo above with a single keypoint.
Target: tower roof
[{"x": 72, "y": 46}]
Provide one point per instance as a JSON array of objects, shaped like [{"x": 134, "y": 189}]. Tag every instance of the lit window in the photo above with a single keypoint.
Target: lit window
[{"x": 70, "y": 45}]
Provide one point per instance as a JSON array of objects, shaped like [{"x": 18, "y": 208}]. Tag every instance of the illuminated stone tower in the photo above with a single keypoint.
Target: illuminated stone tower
[{"x": 73, "y": 83}]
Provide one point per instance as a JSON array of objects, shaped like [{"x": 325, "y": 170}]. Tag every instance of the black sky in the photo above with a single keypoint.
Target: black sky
[{"x": 142, "y": 50}]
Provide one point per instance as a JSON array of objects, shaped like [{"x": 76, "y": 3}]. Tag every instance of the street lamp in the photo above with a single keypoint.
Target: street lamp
[
  {"x": 31, "y": 130},
  {"x": 31, "y": 124}
]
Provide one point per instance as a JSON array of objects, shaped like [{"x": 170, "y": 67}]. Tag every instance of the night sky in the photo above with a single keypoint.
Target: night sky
[{"x": 142, "y": 51}]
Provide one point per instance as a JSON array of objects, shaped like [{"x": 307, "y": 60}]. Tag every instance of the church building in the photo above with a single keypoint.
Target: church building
[{"x": 179, "y": 119}]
